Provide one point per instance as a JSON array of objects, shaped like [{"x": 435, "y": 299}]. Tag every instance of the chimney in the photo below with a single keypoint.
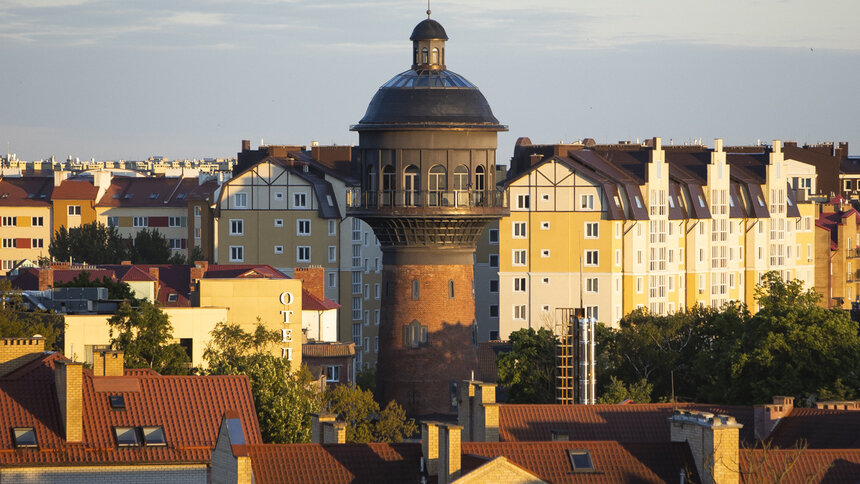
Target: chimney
[
  {"x": 46, "y": 278},
  {"x": 313, "y": 279},
  {"x": 718, "y": 145},
  {"x": 125, "y": 263},
  {"x": 657, "y": 143},
  {"x": 108, "y": 363},
  {"x": 317, "y": 422},
  {"x": 59, "y": 177},
  {"x": 767, "y": 416},
  {"x": 713, "y": 441},
  {"x": 246, "y": 145},
  {"x": 430, "y": 446},
  {"x": 535, "y": 158},
  {"x": 196, "y": 272},
  {"x": 334, "y": 432},
  {"x": 231, "y": 462},
  {"x": 153, "y": 272},
  {"x": 465, "y": 405},
  {"x": 68, "y": 378},
  {"x": 449, "y": 453},
  {"x": 485, "y": 413},
  {"x": 15, "y": 352}
]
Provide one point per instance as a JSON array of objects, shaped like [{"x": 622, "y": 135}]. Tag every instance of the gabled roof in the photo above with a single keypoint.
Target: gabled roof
[
  {"x": 155, "y": 192},
  {"x": 75, "y": 190},
  {"x": 335, "y": 463},
  {"x": 819, "y": 428},
  {"x": 189, "y": 408},
  {"x": 26, "y": 191},
  {"x": 614, "y": 461},
  {"x": 623, "y": 423},
  {"x": 313, "y": 303}
]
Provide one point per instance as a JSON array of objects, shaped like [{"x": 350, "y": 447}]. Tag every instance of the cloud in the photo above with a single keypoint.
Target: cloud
[
  {"x": 42, "y": 3},
  {"x": 197, "y": 19}
]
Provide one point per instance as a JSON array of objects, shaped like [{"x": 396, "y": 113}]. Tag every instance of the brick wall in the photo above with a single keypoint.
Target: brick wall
[
  {"x": 108, "y": 363},
  {"x": 68, "y": 377},
  {"x": 15, "y": 352},
  {"x": 313, "y": 279},
  {"x": 714, "y": 442},
  {"x": 419, "y": 378}
]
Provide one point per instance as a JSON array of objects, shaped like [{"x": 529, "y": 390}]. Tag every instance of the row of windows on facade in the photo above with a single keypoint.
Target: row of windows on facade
[
  {"x": 363, "y": 342},
  {"x": 303, "y": 227},
  {"x": 523, "y": 202},
  {"x": 300, "y": 200},
  {"x": 12, "y": 221},
  {"x": 23, "y": 243},
  {"x": 437, "y": 178},
  {"x": 303, "y": 252},
  {"x": 148, "y": 436}
]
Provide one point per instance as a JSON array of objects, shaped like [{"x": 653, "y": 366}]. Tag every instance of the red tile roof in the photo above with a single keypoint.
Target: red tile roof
[
  {"x": 623, "y": 423},
  {"x": 313, "y": 303},
  {"x": 75, "y": 190},
  {"x": 26, "y": 191},
  {"x": 188, "y": 407},
  {"x": 804, "y": 466},
  {"x": 155, "y": 192},
  {"x": 821, "y": 429},
  {"x": 335, "y": 463},
  {"x": 615, "y": 462}
]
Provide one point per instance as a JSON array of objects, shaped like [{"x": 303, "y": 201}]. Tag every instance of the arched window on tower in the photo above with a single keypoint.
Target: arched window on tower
[
  {"x": 461, "y": 184},
  {"x": 415, "y": 334},
  {"x": 424, "y": 55},
  {"x": 415, "y": 289},
  {"x": 387, "y": 185},
  {"x": 371, "y": 178},
  {"x": 410, "y": 185},
  {"x": 451, "y": 288},
  {"x": 480, "y": 182},
  {"x": 438, "y": 184},
  {"x": 434, "y": 57},
  {"x": 417, "y": 60}
]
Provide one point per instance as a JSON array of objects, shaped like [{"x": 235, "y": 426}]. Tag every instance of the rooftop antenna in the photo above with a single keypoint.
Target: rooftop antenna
[{"x": 428, "y": 9}]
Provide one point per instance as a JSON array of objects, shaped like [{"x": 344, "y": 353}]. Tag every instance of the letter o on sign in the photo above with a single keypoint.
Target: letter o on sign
[{"x": 286, "y": 298}]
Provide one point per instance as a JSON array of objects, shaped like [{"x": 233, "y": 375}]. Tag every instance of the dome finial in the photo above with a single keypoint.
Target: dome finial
[{"x": 428, "y": 8}]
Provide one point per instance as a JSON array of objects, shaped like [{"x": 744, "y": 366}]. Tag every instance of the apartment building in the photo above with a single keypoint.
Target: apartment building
[
  {"x": 25, "y": 220},
  {"x": 179, "y": 208},
  {"x": 285, "y": 207},
  {"x": 613, "y": 228},
  {"x": 837, "y": 254}
]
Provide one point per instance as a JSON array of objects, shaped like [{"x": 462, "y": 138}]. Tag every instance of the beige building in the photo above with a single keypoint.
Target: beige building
[{"x": 25, "y": 220}]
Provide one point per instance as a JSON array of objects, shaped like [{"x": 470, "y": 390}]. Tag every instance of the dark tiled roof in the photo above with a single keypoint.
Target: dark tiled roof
[
  {"x": 623, "y": 423},
  {"x": 75, "y": 190},
  {"x": 326, "y": 350},
  {"x": 335, "y": 463},
  {"x": 809, "y": 465},
  {"x": 231, "y": 271},
  {"x": 155, "y": 192},
  {"x": 188, "y": 407},
  {"x": 25, "y": 191},
  {"x": 821, "y": 429},
  {"x": 488, "y": 353},
  {"x": 615, "y": 462}
]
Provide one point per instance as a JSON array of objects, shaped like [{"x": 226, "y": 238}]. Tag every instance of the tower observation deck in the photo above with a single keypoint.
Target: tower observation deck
[{"x": 427, "y": 162}]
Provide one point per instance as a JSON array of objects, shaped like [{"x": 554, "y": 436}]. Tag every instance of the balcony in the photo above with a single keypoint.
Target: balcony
[{"x": 441, "y": 201}]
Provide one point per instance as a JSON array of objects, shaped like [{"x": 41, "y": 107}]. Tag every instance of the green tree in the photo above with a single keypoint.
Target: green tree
[
  {"x": 197, "y": 255},
  {"x": 364, "y": 420},
  {"x": 151, "y": 247},
  {"x": 284, "y": 399},
  {"x": 145, "y": 335},
  {"x": 366, "y": 379},
  {"x": 617, "y": 392},
  {"x": 116, "y": 289},
  {"x": 15, "y": 322},
  {"x": 528, "y": 370},
  {"x": 94, "y": 243}
]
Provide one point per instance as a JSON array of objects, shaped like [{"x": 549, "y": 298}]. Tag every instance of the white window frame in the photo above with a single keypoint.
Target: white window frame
[
  {"x": 237, "y": 226},
  {"x": 300, "y": 231},
  {"x": 279, "y": 249},
  {"x": 174, "y": 222},
  {"x": 586, "y": 201},
  {"x": 237, "y": 253},
  {"x": 240, "y": 200},
  {"x": 592, "y": 285},
  {"x": 591, "y": 258},
  {"x": 519, "y": 257},
  {"x": 519, "y": 230},
  {"x": 140, "y": 222},
  {"x": 299, "y": 250},
  {"x": 519, "y": 312},
  {"x": 520, "y": 284},
  {"x": 300, "y": 200},
  {"x": 332, "y": 227},
  {"x": 523, "y": 202},
  {"x": 332, "y": 253},
  {"x": 592, "y": 230},
  {"x": 279, "y": 222}
]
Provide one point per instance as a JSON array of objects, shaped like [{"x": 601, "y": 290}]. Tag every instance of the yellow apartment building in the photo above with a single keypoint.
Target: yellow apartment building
[
  {"x": 837, "y": 254},
  {"x": 613, "y": 228},
  {"x": 25, "y": 220}
]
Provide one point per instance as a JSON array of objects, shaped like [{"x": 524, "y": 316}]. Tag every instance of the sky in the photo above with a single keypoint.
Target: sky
[{"x": 191, "y": 78}]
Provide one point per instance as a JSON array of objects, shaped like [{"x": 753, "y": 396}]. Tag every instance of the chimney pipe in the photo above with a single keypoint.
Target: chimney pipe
[{"x": 68, "y": 378}]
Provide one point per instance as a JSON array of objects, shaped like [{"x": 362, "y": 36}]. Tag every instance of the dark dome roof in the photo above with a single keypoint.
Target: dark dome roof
[
  {"x": 428, "y": 29},
  {"x": 429, "y": 98}
]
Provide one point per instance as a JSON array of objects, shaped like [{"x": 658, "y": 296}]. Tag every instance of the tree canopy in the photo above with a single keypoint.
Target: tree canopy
[
  {"x": 116, "y": 289},
  {"x": 528, "y": 370},
  {"x": 96, "y": 243},
  {"x": 364, "y": 420},
  {"x": 15, "y": 322},
  {"x": 791, "y": 346},
  {"x": 145, "y": 335}
]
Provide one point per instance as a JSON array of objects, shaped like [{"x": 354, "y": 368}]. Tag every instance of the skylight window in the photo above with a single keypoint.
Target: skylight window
[
  {"x": 153, "y": 436},
  {"x": 25, "y": 437},
  {"x": 128, "y": 195},
  {"x": 126, "y": 436},
  {"x": 117, "y": 402},
  {"x": 172, "y": 297},
  {"x": 180, "y": 196},
  {"x": 153, "y": 196},
  {"x": 580, "y": 460}
]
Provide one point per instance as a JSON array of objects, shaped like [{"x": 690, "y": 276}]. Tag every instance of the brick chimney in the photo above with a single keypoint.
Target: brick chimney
[
  {"x": 317, "y": 422},
  {"x": 767, "y": 416},
  {"x": 108, "y": 363},
  {"x": 46, "y": 278},
  {"x": 713, "y": 441},
  {"x": 449, "y": 453},
  {"x": 313, "y": 279},
  {"x": 68, "y": 378},
  {"x": 196, "y": 272},
  {"x": 15, "y": 352},
  {"x": 430, "y": 446},
  {"x": 334, "y": 432},
  {"x": 478, "y": 412}
]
